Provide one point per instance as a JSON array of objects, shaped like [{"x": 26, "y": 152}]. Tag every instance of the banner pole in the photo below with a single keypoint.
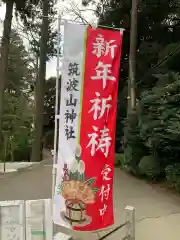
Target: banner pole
[{"x": 56, "y": 112}]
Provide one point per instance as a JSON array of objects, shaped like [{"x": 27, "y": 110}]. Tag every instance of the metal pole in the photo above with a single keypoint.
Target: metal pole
[{"x": 56, "y": 112}]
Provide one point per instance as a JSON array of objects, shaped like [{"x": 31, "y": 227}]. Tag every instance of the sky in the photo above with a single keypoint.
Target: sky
[{"x": 66, "y": 13}]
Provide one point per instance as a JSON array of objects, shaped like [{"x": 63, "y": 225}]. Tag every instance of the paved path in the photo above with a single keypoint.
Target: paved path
[
  {"x": 28, "y": 184},
  {"x": 157, "y": 214}
]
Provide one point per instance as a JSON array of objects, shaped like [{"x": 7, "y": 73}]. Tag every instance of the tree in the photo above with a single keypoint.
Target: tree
[
  {"x": 39, "y": 108},
  {"x": 160, "y": 27},
  {"x": 49, "y": 109},
  {"x": 17, "y": 117},
  {"x": 4, "y": 58},
  {"x": 21, "y": 79},
  {"x": 49, "y": 102},
  {"x": 32, "y": 30},
  {"x": 24, "y": 8}
]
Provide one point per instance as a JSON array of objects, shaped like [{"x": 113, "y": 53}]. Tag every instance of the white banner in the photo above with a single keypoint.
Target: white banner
[{"x": 71, "y": 86}]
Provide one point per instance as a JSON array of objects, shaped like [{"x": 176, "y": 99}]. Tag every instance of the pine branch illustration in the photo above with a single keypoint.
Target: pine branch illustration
[{"x": 90, "y": 181}]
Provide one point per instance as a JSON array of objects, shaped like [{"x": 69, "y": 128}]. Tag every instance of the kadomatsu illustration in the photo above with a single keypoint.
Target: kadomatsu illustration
[{"x": 77, "y": 191}]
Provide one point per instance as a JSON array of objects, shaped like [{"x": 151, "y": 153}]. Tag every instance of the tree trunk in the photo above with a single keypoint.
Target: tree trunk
[
  {"x": 4, "y": 59},
  {"x": 40, "y": 85},
  {"x": 132, "y": 59}
]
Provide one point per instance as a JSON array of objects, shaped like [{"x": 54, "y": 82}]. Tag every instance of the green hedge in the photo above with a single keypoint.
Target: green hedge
[
  {"x": 149, "y": 166},
  {"x": 173, "y": 176}
]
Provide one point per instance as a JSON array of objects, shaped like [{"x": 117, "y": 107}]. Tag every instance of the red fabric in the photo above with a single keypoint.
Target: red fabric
[{"x": 95, "y": 164}]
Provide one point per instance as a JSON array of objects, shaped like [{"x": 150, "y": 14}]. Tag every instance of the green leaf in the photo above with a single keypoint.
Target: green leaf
[
  {"x": 81, "y": 206},
  {"x": 95, "y": 190},
  {"x": 90, "y": 181}
]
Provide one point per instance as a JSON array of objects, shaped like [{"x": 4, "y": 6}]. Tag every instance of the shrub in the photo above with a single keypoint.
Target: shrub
[
  {"x": 116, "y": 158},
  {"x": 150, "y": 167},
  {"x": 154, "y": 129},
  {"x": 159, "y": 122},
  {"x": 134, "y": 147},
  {"x": 18, "y": 147},
  {"x": 23, "y": 154},
  {"x": 119, "y": 159},
  {"x": 173, "y": 176}
]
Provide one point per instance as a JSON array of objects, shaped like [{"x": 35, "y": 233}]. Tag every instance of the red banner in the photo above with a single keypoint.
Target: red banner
[
  {"x": 98, "y": 119},
  {"x": 83, "y": 197}
]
